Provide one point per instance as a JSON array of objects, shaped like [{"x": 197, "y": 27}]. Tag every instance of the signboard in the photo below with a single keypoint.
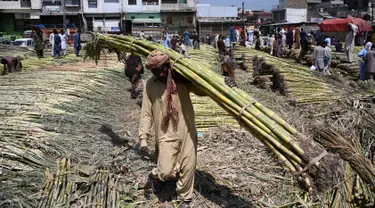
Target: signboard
[
  {"x": 115, "y": 29},
  {"x": 48, "y": 9},
  {"x": 316, "y": 20}
]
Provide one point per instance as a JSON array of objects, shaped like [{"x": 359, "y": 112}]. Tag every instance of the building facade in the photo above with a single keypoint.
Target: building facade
[
  {"x": 99, "y": 15},
  {"x": 216, "y": 19},
  {"x": 16, "y": 15},
  {"x": 290, "y": 11}
]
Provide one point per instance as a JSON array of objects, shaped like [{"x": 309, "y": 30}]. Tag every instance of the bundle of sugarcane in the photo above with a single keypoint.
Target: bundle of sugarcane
[
  {"x": 359, "y": 186},
  {"x": 207, "y": 53},
  {"x": 264, "y": 124},
  {"x": 208, "y": 114},
  {"x": 298, "y": 82},
  {"x": 83, "y": 187}
]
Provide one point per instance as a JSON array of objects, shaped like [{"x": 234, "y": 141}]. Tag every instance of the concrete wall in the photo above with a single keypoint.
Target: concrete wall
[
  {"x": 296, "y": 15},
  {"x": 102, "y": 7},
  {"x": 216, "y": 11},
  {"x": 282, "y": 4},
  {"x": 190, "y": 5},
  {"x": 35, "y": 4},
  {"x": 139, "y": 8},
  {"x": 296, "y": 3}
]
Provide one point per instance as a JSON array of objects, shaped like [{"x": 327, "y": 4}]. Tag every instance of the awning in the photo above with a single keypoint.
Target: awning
[
  {"x": 155, "y": 20},
  {"x": 326, "y": 15}
]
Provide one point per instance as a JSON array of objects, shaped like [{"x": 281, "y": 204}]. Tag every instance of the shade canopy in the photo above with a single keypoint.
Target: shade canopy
[{"x": 341, "y": 25}]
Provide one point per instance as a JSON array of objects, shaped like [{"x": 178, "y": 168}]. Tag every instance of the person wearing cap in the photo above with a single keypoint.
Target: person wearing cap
[{"x": 167, "y": 111}]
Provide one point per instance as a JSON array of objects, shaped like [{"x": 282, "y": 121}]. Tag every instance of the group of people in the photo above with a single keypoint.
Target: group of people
[{"x": 57, "y": 40}]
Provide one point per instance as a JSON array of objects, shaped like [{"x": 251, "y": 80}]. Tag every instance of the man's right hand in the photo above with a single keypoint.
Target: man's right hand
[{"x": 145, "y": 151}]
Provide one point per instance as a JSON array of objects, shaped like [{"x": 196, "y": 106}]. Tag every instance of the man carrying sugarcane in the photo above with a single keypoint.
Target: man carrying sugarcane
[{"x": 168, "y": 110}]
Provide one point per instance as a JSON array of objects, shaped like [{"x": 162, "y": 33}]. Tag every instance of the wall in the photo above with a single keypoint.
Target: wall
[
  {"x": 191, "y": 5},
  {"x": 296, "y": 3},
  {"x": 7, "y": 22},
  {"x": 296, "y": 15},
  {"x": 10, "y": 5},
  {"x": 102, "y": 7},
  {"x": 282, "y": 4},
  {"x": 179, "y": 21},
  {"x": 216, "y": 11},
  {"x": 140, "y": 7},
  {"x": 36, "y": 4}
]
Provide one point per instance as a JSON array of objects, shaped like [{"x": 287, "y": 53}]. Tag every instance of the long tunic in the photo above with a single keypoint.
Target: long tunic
[
  {"x": 319, "y": 55},
  {"x": 39, "y": 42},
  {"x": 362, "y": 73},
  {"x": 64, "y": 38},
  {"x": 176, "y": 149},
  {"x": 349, "y": 45},
  {"x": 298, "y": 38},
  {"x": 370, "y": 56},
  {"x": 327, "y": 58}
]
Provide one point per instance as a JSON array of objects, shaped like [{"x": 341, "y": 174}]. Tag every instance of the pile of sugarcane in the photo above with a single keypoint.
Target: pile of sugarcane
[
  {"x": 84, "y": 187},
  {"x": 208, "y": 114},
  {"x": 359, "y": 184},
  {"x": 297, "y": 82},
  {"x": 206, "y": 55},
  {"x": 263, "y": 123}
]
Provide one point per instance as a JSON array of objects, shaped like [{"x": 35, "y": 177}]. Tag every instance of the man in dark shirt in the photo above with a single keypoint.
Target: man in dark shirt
[
  {"x": 196, "y": 40},
  {"x": 338, "y": 46}
]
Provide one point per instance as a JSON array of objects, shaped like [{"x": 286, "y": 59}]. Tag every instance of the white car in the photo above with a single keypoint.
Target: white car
[{"x": 23, "y": 42}]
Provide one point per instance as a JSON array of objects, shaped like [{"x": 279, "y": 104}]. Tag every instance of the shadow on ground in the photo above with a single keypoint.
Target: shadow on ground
[{"x": 205, "y": 183}]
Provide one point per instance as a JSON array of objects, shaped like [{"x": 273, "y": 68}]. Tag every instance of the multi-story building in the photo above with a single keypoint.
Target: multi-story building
[
  {"x": 17, "y": 14},
  {"x": 178, "y": 15},
  {"x": 290, "y": 11},
  {"x": 61, "y": 12},
  {"x": 94, "y": 15},
  {"x": 216, "y": 19}
]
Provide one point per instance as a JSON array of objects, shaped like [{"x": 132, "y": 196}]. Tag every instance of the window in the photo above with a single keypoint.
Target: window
[
  {"x": 150, "y": 2},
  {"x": 151, "y": 17},
  {"x": 71, "y": 2},
  {"x": 132, "y": 2},
  {"x": 169, "y": 1},
  {"x": 111, "y": 1},
  {"x": 182, "y": 1},
  {"x": 93, "y": 4},
  {"x": 132, "y": 17}
]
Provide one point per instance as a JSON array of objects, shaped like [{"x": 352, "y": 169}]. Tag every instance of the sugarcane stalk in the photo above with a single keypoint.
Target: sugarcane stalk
[{"x": 262, "y": 123}]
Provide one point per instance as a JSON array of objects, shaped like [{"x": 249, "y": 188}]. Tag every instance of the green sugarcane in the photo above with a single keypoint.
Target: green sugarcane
[{"x": 144, "y": 51}]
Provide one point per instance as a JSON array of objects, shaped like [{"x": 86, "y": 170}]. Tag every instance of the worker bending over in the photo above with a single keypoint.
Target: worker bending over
[{"x": 11, "y": 64}]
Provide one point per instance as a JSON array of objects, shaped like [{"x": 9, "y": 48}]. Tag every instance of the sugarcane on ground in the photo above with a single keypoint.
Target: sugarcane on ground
[{"x": 83, "y": 112}]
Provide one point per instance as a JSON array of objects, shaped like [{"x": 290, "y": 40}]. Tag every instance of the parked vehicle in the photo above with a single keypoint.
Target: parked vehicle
[{"x": 23, "y": 42}]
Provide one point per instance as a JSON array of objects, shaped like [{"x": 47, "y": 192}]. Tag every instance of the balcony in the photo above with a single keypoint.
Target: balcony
[
  {"x": 177, "y": 7},
  {"x": 52, "y": 9}
]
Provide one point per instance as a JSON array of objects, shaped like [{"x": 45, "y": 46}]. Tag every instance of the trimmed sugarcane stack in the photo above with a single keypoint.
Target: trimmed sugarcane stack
[
  {"x": 103, "y": 188},
  {"x": 264, "y": 124},
  {"x": 299, "y": 83},
  {"x": 208, "y": 114}
]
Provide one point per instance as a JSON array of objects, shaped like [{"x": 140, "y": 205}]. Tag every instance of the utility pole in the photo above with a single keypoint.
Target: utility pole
[{"x": 243, "y": 15}]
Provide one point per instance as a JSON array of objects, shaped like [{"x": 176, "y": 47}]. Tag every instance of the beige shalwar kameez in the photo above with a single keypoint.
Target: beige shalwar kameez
[{"x": 175, "y": 150}]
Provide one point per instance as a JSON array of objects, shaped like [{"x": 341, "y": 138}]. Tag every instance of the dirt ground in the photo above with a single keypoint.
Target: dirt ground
[
  {"x": 83, "y": 111},
  {"x": 77, "y": 109}
]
